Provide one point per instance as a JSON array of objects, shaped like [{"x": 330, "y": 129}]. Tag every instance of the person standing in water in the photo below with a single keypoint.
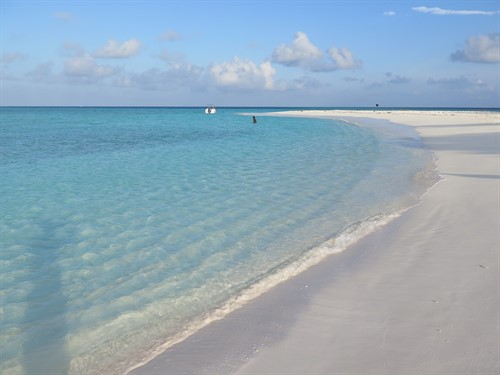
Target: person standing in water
[{"x": 254, "y": 120}]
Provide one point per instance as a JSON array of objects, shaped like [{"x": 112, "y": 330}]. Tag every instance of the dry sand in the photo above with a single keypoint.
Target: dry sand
[{"x": 419, "y": 296}]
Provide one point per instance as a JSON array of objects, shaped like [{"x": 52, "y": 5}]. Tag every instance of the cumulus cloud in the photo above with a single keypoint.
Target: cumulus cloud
[
  {"x": 447, "y": 12},
  {"x": 243, "y": 74},
  {"x": 480, "y": 49},
  {"x": 302, "y": 53},
  {"x": 116, "y": 50}
]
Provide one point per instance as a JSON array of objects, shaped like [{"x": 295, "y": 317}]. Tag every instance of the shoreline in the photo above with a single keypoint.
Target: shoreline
[{"x": 400, "y": 298}]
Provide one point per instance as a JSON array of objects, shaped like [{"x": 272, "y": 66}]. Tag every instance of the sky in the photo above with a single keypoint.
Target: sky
[{"x": 306, "y": 53}]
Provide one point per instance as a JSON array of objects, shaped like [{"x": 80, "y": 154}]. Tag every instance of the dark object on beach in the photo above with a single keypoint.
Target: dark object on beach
[{"x": 254, "y": 120}]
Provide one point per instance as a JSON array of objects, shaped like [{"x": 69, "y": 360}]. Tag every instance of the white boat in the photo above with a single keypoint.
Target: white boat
[{"x": 210, "y": 110}]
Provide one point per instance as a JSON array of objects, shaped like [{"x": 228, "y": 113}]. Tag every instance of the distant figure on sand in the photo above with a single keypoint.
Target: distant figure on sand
[{"x": 254, "y": 120}]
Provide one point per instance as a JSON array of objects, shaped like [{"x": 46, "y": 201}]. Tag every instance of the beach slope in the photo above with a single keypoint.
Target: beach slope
[
  {"x": 425, "y": 297},
  {"x": 419, "y": 296}
]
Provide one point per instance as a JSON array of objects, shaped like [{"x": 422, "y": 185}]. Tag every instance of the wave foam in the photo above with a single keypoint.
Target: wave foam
[{"x": 337, "y": 244}]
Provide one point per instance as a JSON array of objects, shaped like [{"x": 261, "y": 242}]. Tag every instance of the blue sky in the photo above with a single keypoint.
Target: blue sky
[{"x": 250, "y": 53}]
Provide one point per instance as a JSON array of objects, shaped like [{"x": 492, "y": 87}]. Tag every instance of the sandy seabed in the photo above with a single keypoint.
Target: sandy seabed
[{"x": 419, "y": 296}]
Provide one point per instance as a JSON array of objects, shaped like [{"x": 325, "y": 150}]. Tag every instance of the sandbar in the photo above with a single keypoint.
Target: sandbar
[{"x": 418, "y": 296}]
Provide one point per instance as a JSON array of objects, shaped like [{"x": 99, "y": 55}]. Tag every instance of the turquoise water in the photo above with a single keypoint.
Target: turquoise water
[{"x": 125, "y": 229}]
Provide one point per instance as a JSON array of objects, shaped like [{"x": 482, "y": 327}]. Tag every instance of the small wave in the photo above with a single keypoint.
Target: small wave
[{"x": 337, "y": 244}]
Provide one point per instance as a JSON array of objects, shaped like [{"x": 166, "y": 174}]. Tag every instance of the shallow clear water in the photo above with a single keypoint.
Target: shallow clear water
[{"x": 124, "y": 228}]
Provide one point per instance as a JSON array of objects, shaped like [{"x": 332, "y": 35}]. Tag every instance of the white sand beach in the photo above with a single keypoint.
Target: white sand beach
[{"x": 419, "y": 296}]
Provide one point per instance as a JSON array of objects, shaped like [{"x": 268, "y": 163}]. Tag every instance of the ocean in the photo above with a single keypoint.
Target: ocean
[{"x": 124, "y": 230}]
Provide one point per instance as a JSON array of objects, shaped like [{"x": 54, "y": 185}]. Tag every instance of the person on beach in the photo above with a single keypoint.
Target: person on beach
[{"x": 254, "y": 120}]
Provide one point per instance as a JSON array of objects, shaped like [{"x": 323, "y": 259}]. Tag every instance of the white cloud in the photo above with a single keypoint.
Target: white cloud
[
  {"x": 480, "y": 49},
  {"x": 446, "y": 12},
  {"x": 243, "y": 74},
  {"x": 301, "y": 53},
  {"x": 116, "y": 50},
  {"x": 343, "y": 58},
  {"x": 390, "y": 13}
]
